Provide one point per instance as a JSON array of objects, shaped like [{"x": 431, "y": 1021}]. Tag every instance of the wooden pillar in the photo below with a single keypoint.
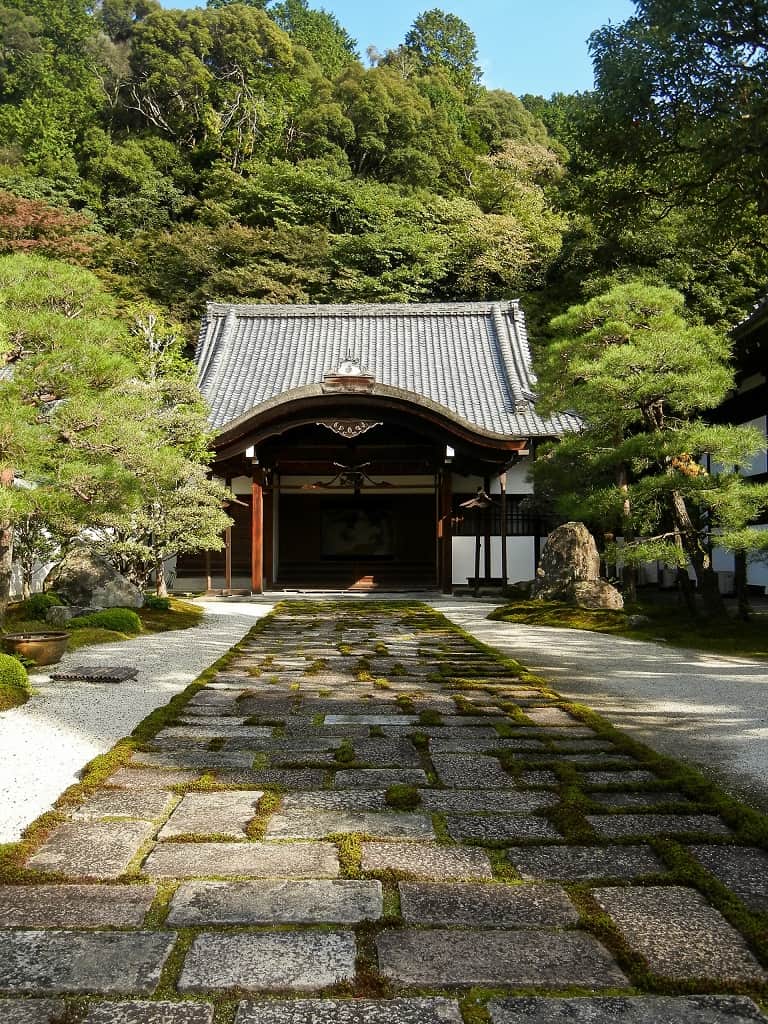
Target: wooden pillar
[
  {"x": 257, "y": 533},
  {"x": 478, "y": 524},
  {"x": 487, "y": 534},
  {"x": 208, "y": 574},
  {"x": 228, "y": 550},
  {"x": 269, "y": 543},
  {"x": 503, "y": 486},
  {"x": 445, "y": 533}
]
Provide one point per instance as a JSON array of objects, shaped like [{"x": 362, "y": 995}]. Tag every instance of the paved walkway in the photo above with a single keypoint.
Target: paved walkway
[
  {"x": 45, "y": 743},
  {"x": 365, "y": 820},
  {"x": 708, "y": 709}
]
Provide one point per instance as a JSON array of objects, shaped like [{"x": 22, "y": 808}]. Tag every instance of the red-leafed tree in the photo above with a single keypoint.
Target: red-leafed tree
[{"x": 32, "y": 226}]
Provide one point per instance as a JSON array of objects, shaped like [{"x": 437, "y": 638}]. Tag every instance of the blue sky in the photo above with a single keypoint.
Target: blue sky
[{"x": 524, "y": 45}]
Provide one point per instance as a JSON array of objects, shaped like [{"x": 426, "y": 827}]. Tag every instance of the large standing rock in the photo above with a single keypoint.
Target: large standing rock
[
  {"x": 85, "y": 578},
  {"x": 570, "y": 571}
]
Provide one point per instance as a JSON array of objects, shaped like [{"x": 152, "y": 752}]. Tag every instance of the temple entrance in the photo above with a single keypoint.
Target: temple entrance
[{"x": 359, "y": 542}]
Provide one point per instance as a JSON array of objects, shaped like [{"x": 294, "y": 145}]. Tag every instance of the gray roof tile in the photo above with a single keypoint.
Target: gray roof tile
[{"x": 471, "y": 358}]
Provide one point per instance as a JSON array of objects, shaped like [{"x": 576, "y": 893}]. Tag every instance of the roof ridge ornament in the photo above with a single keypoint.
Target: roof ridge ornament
[{"x": 350, "y": 376}]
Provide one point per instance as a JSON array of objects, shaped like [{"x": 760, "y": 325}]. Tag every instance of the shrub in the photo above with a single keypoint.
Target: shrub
[
  {"x": 158, "y": 604},
  {"x": 402, "y": 797},
  {"x": 37, "y": 605},
  {"x": 13, "y": 674},
  {"x": 121, "y": 620}
]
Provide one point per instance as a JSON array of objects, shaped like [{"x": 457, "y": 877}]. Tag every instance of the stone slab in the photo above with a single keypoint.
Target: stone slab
[
  {"x": 480, "y": 801},
  {"x": 31, "y": 1011},
  {"x": 151, "y": 1013},
  {"x": 379, "y": 778},
  {"x": 394, "y": 824},
  {"x": 378, "y": 719},
  {"x": 269, "y": 961},
  {"x": 425, "y": 860},
  {"x": 379, "y": 753},
  {"x": 217, "y": 729},
  {"x": 74, "y": 906},
  {"x": 548, "y": 716},
  {"x": 486, "y": 906},
  {"x": 499, "y": 828},
  {"x": 249, "y": 860},
  {"x": 679, "y": 934},
  {"x": 98, "y": 849},
  {"x": 224, "y": 814},
  {"x": 283, "y": 778},
  {"x": 351, "y": 1011},
  {"x": 186, "y": 757},
  {"x": 467, "y": 743},
  {"x": 336, "y": 800},
  {"x": 55, "y": 962},
  {"x": 473, "y": 771},
  {"x": 580, "y": 863},
  {"x": 521, "y": 958},
  {"x": 326, "y": 901},
  {"x": 627, "y": 1010},
  {"x": 537, "y": 778},
  {"x": 629, "y": 800},
  {"x": 628, "y": 778},
  {"x": 620, "y": 826},
  {"x": 744, "y": 869},
  {"x": 150, "y": 778},
  {"x": 125, "y": 803}
]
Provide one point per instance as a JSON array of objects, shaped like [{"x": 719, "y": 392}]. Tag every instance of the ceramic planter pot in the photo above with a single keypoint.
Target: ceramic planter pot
[{"x": 40, "y": 648}]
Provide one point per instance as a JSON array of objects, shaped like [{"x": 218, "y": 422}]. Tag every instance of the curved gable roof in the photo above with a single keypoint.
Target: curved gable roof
[{"x": 471, "y": 358}]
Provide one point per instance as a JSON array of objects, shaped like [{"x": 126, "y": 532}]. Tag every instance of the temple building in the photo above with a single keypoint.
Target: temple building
[{"x": 371, "y": 447}]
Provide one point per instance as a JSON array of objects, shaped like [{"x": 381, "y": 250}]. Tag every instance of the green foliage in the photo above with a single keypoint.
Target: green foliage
[
  {"x": 13, "y": 675},
  {"x": 37, "y": 605},
  {"x": 121, "y": 620},
  {"x": 645, "y": 466},
  {"x": 443, "y": 41},
  {"x": 402, "y": 797},
  {"x": 157, "y": 603}
]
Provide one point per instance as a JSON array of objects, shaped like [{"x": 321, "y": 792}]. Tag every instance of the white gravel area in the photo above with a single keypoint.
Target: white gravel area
[
  {"x": 710, "y": 710},
  {"x": 45, "y": 743}
]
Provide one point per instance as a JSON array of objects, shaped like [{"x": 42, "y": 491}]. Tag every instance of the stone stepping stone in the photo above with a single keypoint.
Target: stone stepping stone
[
  {"x": 631, "y": 777},
  {"x": 377, "y": 719},
  {"x": 74, "y": 906},
  {"x": 424, "y": 860},
  {"x": 302, "y": 758},
  {"x": 744, "y": 869},
  {"x": 225, "y": 814},
  {"x": 185, "y": 757},
  {"x": 627, "y": 1010},
  {"x": 471, "y": 772},
  {"x": 620, "y": 800},
  {"x": 55, "y": 962},
  {"x": 311, "y": 902},
  {"x": 379, "y": 778},
  {"x": 219, "y": 729},
  {"x": 520, "y": 958},
  {"x": 498, "y": 829},
  {"x": 151, "y": 1013},
  {"x": 394, "y": 824},
  {"x": 30, "y": 1011},
  {"x": 269, "y": 961},
  {"x": 335, "y": 800},
  {"x": 619, "y": 826},
  {"x": 548, "y": 716},
  {"x": 150, "y": 778},
  {"x": 98, "y": 849},
  {"x": 247, "y": 860},
  {"x": 380, "y": 753},
  {"x": 127, "y": 803},
  {"x": 220, "y": 699},
  {"x": 486, "y": 906},
  {"x": 284, "y": 778},
  {"x": 291, "y": 745},
  {"x": 580, "y": 863},
  {"x": 679, "y": 935},
  {"x": 480, "y": 801},
  {"x": 295, "y": 726},
  {"x": 537, "y": 778},
  {"x": 351, "y": 1011}
]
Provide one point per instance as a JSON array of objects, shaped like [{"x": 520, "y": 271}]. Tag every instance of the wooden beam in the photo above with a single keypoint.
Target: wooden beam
[
  {"x": 257, "y": 534},
  {"x": 503, "y": 531},
  {"x": 269, "y": 543}
]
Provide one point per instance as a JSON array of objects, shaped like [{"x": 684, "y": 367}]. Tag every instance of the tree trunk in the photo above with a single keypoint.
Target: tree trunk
[
  {"x": 161, "y": 586},
  {"x": 6, "y": 565},
  {"x": 26, "y": 586},
  {"x": 743, "y": 609},
  {"x": 692, "y": 545},
  {"x": 628, "y": 572}
]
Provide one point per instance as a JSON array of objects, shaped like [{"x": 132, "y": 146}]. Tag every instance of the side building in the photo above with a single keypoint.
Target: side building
[{"x": 353, "y": 436}]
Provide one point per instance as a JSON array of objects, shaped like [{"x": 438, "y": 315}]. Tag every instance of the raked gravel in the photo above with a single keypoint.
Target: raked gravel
[{"x": 45, "y": 743}]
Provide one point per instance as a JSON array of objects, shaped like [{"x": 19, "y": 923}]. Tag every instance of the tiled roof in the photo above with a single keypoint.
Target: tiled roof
[{"x": 470, "y": 358}]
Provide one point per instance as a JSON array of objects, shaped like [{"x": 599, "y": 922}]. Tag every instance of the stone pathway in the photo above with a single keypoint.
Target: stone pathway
[{"x": 366, "y": 819}]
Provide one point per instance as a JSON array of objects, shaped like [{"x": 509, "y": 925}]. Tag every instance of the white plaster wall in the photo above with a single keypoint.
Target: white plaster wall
[
  {"x": 520, "y": 558},
  {"x": 517, "y": 481}
]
